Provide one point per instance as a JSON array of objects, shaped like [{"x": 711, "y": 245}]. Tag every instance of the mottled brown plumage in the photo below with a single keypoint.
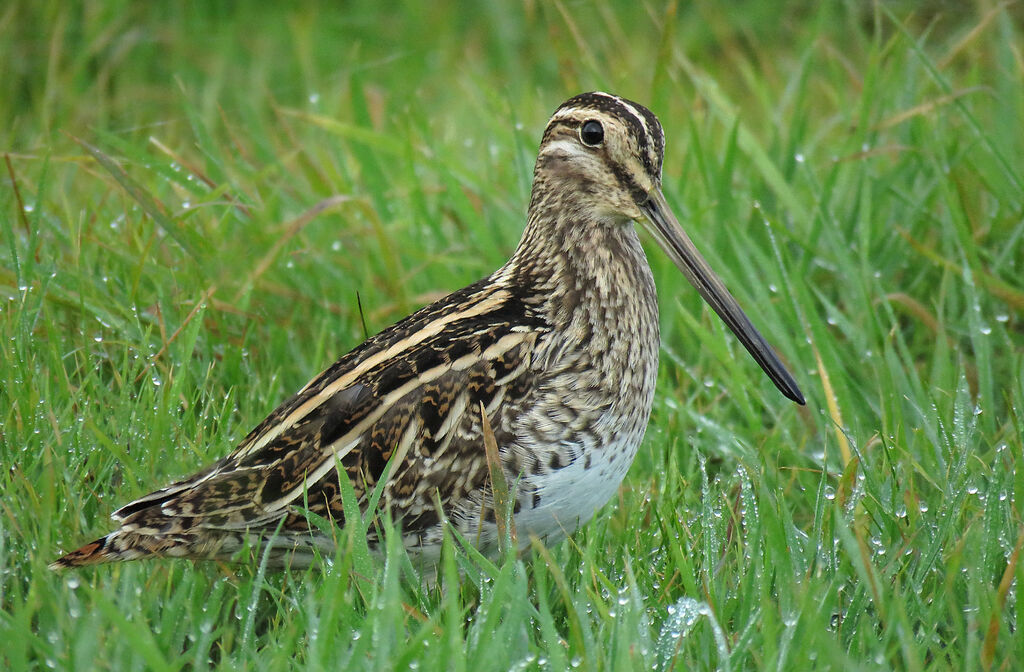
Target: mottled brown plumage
[{"x": 559, "y": 346}]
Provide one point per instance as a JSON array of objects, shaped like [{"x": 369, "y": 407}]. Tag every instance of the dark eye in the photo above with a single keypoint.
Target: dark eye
[{"x": 591, "y": 133}]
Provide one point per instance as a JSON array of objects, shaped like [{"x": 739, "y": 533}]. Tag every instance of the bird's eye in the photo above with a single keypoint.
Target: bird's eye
[{"x": 592, "y": 133}]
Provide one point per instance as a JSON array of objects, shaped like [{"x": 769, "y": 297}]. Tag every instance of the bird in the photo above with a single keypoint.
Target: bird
[{"x": 552, "y": 359}]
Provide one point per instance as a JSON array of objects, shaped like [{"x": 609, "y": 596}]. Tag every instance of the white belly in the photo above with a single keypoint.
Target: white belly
[{"x": 569, "y": 497}]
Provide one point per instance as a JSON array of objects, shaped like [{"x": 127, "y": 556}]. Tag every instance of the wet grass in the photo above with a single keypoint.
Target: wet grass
[{"x": 197, "y": 200}]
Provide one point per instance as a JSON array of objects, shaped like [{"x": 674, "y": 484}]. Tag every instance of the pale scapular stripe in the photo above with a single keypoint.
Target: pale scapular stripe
[
  {"x": 488, "y": 304},
  {"x": 351, "y": 439}
]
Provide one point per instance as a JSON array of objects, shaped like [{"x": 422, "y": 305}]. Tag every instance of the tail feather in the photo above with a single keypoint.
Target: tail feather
[
  {"x": 123, "y": 545},
  {"x": 93, "y": 553}
]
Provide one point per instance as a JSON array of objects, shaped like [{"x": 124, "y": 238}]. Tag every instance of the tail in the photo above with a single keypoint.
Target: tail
[
  {"x": 130, "y": 543},
  {"x": 93, "y": 553},
  {"x": 123, "y": 545}
]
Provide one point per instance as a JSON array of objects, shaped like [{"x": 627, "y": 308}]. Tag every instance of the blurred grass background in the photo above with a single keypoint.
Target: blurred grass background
[{"x": 197, "y": 197}]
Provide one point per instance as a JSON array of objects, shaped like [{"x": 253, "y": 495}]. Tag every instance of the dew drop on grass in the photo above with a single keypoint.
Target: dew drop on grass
[
  {"x": 525, "y": 663},
  {"x": 682, "y": 617}
]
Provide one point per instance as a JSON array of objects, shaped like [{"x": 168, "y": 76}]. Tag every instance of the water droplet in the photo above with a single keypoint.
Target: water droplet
[
  {"x": 683, "y": 616},
  {"x": 799, "y": 158},
  {"x": 314, "y": 98}
]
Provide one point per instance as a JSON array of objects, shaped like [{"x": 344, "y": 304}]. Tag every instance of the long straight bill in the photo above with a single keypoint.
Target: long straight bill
[{"x": 665, "y": 228}]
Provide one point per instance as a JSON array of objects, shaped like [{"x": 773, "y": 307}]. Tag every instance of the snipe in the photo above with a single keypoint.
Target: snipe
[{"x": 559, "y": 347}]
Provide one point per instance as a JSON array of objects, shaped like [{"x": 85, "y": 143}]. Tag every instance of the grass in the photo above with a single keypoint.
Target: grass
[{"x": 196, "y": 201}]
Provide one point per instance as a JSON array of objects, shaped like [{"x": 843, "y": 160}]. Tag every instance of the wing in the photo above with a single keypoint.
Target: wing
[{"x": 410, "y": 394}]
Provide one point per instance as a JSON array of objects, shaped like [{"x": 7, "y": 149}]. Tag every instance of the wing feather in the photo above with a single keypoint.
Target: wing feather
[{"x": 414, "y": 388}]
